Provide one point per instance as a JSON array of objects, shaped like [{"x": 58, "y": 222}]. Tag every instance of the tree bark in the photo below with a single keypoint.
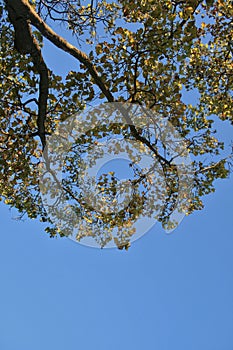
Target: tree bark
[{"x": 25, "y": 43}]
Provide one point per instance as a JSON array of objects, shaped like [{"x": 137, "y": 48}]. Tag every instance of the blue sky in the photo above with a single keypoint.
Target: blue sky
[{"x": 167, "y": 292}]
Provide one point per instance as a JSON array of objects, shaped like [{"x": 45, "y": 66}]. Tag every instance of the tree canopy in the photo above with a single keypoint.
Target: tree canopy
[{"x": 147, "y": 55}]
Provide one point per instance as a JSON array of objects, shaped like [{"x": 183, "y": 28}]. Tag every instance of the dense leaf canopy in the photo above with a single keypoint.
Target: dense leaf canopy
[{"x": 146, "y": 53}]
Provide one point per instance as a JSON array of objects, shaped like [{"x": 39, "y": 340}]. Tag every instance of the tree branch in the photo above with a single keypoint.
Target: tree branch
[
  {"x": 25, "y": 43},
  {"x": 26, "y": 10}
]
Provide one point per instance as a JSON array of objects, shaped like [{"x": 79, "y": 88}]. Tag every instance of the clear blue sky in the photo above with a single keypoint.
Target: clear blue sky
[{"x": 168, "y": 292}]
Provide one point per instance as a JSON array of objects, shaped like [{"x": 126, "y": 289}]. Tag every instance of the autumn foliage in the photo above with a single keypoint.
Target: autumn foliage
[{"x": 150, "y": 53}]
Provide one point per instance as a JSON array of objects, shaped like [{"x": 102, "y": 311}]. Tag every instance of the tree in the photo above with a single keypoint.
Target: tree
[{"x": 145, "y": 53}]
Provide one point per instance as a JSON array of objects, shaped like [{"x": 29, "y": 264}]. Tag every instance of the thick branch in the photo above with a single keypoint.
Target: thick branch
[
  {"x": 25, "y": 43},
  {"x": 27, "y": 11}
]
